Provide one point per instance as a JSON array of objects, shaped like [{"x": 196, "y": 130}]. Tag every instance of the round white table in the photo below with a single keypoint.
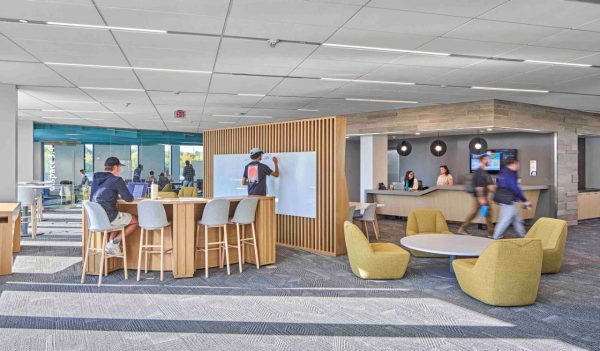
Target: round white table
[{"x": 447, "y": 244}]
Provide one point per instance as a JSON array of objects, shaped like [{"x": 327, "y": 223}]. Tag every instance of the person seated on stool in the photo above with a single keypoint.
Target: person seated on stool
[
  {"x": 410, "y": 182},
  {"x": 106, "y": 188},
  {"x": 445, "y": 178}
]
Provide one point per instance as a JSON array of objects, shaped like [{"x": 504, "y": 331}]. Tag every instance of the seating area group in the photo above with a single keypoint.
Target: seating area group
[{"x": 506, "y": 273}]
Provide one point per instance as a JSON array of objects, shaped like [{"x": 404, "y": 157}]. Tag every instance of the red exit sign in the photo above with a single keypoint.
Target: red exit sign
[{"x": 180, "y": 114}]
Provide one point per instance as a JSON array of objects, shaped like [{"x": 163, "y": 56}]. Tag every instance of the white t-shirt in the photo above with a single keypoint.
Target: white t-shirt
[{"x": 444, "y": 179}]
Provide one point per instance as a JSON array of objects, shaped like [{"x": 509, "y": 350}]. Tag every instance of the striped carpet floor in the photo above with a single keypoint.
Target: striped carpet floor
[{"x": 304, "y": 302}]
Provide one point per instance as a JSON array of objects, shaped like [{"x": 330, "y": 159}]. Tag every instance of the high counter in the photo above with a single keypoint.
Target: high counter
[
  {"x": 184, "y": 214},
  {"x": 452, "y": 200}
]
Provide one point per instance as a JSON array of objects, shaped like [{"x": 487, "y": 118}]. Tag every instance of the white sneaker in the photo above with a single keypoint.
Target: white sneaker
[{"x": 113, "y": 249}]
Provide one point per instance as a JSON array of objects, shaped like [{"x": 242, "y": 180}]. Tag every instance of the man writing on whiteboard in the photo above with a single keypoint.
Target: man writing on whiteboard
[{"x": 255, "y": 173}]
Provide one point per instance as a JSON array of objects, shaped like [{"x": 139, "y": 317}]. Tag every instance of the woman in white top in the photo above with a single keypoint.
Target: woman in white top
[
  {"x": 445, "y": 177},
  {"x": 410, "y": 182}
]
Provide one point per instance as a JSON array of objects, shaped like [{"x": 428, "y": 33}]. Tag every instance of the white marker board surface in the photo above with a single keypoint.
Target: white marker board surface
[{"x": 295, "y": 189}]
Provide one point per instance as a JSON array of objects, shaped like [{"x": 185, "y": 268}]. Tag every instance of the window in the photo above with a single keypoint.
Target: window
[
  {"x": 134, "y": 156},
  {"x": 49, "y": 163},
  {"x": 88, "y": 158},
  {"x": 167, "y": 158},
  {"x": 195, "y": 154}
]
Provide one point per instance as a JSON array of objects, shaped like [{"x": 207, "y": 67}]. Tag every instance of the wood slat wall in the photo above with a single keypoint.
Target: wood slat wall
[{"x": 326, "y": 136}]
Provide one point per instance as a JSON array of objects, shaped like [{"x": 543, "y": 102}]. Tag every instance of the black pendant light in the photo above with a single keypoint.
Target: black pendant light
[
  {"x": 438, "y": 148},
  {"x": 478, "y": 145},
  {"x": 404, "y": 148}
]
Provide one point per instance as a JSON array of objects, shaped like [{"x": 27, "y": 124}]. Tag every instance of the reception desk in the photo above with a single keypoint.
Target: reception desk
[
  {"x": 588, "y": 204},
  {"x": 10, "y": 235},
  {"x": 452, "y": 200},
  {"x": 183, "y": 260}
]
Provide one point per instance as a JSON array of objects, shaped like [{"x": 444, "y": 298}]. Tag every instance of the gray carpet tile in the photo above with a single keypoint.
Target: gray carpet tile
[{"x": 304, "y": 302}]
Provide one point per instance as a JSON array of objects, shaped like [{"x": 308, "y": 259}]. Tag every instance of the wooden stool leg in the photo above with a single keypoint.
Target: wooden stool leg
[
  {"x": 102, "y": 258},
  {"x": 146, "y": 239},
  {"x": 375, "y": 230},
  {"x": 33, "y": 217},
  {"x": 243, "y": 243},
  {"x": 162, "y": 253},
  {"x": 125, "y": 269},
  {"x": 366, "y": 227},
  {"x": 87, "y": 256},
  {"x": 205, "y": 251},
  {"x": 255, "y": 246},
  {"x": 239, "y": 246},
  {"x": 220, "y": 239},
  {"x": 226, "y": 245},
  {"x": 139, "y": 269}
]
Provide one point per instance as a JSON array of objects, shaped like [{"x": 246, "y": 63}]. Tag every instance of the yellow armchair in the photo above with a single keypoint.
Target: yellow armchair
[
  {"x": 167, "y": 188},
  {"x": 167, "y": 195},
  {"x": 374, "y": 261},
  {"x": 553, "y": 234},
  {"x": 188, "y": 191},
  {"x": 507, "y": 273},
  {"x": 426, "y": 221}
]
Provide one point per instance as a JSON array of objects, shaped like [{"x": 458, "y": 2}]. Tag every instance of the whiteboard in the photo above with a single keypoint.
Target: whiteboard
[{"x": 295, "y": 189}]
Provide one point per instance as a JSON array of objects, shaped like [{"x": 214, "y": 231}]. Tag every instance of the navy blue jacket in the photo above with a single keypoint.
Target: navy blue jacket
[
  {"x": 106, "y": 189},
  {"x": 508, "y": 189}
]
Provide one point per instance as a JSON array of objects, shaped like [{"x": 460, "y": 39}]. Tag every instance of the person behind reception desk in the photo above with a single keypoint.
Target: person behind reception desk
[
  {"x": 410, "y": 182},
  {"x": 106, "y": 189},
  {"x": 445, "y": 178},
  {"x": 255, "y": 173},
  {"x": 137, "y": 174},
  {"x": 481, "y": 183}
]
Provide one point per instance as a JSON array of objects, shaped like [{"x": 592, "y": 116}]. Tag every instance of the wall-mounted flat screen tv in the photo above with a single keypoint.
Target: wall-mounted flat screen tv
[{"x": 497, "y": 158}]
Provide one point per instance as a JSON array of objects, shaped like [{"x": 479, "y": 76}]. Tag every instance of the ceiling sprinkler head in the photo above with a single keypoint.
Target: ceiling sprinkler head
[{"x": 273, "y": 42}]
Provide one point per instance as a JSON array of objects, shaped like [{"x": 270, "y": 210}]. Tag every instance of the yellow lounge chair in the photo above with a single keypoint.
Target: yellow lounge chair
[
  {"x": 426, "y": 221},
  {"x": 553, "y": 234}
]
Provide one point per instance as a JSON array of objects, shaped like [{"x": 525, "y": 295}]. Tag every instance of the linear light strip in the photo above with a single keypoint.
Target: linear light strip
[
  {"x": 79, "y": 111},
  {"x": 116, "y": 89},
  {"x": 379, "y": 100},
  {"x": 373, "y": 48},
  {"x": 571, "y": 64},
  {"x": 367, "y": 81},
  {"x": 255, "y": 95},
  {"x": 91, "y": 26},
  {"x": 242, "y": 116},
  {"x": 511, "y": 89},
  {"x": 126, "y": 67}
]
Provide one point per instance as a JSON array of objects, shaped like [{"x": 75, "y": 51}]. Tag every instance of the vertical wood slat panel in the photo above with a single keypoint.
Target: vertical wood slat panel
[{"x": 321, "y": 135}]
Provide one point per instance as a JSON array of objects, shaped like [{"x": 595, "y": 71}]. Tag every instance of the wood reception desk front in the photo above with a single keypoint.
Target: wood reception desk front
[
  {"x": 452, "y": 200},
  {"x": 184, "y": 214}
]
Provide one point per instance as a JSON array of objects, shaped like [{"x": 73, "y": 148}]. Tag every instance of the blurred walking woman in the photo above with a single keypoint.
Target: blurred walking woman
[{"x": 445, "y": 178}]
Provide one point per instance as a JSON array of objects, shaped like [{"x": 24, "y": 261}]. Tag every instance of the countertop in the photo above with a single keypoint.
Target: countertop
[
  {"x": 446, "y": 188},
  {"x": 200, "y": 200}
]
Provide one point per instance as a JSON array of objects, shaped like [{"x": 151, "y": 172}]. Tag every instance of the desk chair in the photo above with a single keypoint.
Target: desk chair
[
  {"x": 26, "y": 196},
  {"x": 215, "y": 215},
  {"x": 188, "y": 191},
  {"x": 152, "y": 217},
  {"x": 98, "y": 223},
  {"x": 351, "y": 211},
  {"x": 369, "y": 216},
  {"x": 245, "y": 213}
]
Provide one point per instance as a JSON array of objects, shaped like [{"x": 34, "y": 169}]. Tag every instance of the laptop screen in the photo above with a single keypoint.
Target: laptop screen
[{"x": 138, "y": 190}]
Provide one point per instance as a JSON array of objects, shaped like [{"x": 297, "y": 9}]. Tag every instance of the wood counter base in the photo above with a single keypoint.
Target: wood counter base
[
  {"x": 10, "y": 235},
  {"x": 183, "y": 260}
]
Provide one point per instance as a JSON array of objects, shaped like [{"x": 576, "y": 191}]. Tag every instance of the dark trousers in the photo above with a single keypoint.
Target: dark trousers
[{"x": 474, "y": 213}]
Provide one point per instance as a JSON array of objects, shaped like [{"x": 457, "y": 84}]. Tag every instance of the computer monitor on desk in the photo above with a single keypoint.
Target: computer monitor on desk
[{"x": 138, "y": 190}]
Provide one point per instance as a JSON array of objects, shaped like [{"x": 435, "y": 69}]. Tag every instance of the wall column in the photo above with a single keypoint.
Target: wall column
[
  {"x": 8, "y": 142},
  {"x": 25, "y": 151},
  {"x": 373, "y": 162},
  {"x": 566, "y": 172}
]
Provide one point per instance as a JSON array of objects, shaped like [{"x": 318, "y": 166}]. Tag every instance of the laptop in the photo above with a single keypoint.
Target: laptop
[{"x": 138, "y": 190}]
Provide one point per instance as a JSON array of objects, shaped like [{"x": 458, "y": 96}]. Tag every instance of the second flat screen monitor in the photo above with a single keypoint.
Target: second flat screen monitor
[{"x": 295, "y": 190}]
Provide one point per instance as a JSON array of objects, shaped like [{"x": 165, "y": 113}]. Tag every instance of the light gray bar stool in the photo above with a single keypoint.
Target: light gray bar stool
[
  {"x": 369, "y": 216},
  {"x": 26, "y": 196},
  {"x": 152, "y": 217},
  {"x": 351, "y": 210},
  {"x": 98, "y": 223},
  {"x": 215, "y": 215},
  {"x": 244, "y": 215}
]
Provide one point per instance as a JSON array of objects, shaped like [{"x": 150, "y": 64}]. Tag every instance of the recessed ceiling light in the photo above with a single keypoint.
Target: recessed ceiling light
[
  {"x": 511, "y": 89},
  {"x": 489, "y": 129},
  {"x": 559, "y": 63},
  {"x": 256, "y": 95},
  {"x": 117, "y": 89},
  {"x": 73, "y": 101},
  {"x": 65, "y": 118},
  {"x": 126, "y": 67},
  {"x": 79, "y": 111},
  {"x": 91, "y": 26},
  {"x": 387, "y": 101},
  {"x": 23, "y": 21},
  {"x": 417, "y": 133},
  {"x": 242, "y": 116},
  {"x": 372, "y": 48},
  {"x": 94, "y": 119},
  {"x": 367, "y": 81},
  {"x": 307, "y": 110},
  {"x": 224, "y": 122}
]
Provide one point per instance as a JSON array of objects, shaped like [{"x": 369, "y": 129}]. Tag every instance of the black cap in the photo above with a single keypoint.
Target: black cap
[{"x": 112, "y": 161}]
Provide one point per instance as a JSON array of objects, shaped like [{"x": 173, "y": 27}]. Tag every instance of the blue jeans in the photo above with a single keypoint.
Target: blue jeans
[
  {"x": 509, "y": 214},
  {"x": 188, "y": 183}
]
